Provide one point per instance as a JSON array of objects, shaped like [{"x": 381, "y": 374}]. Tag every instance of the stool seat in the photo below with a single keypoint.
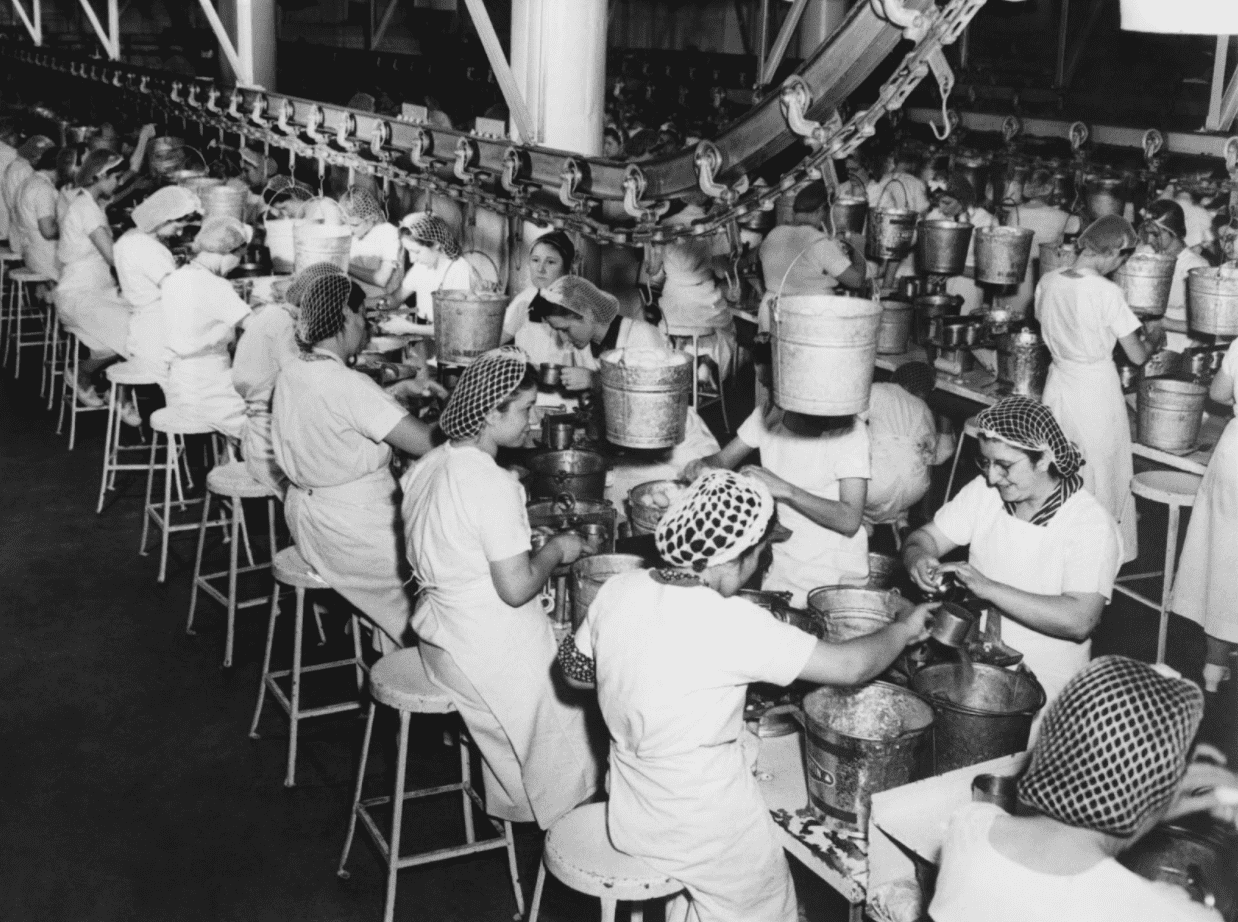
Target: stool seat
[
  {"x": 1176, "y": 487},
  {"x": 291, "y": 569},
  {"x": 233, "y": 479},
  {"x": 7, "y": 255},
  {"x": 578, "y": 853},
  {"x": 173, "y": 422},
  {"x": 399, "y": 680},
  {"x": 129, "y": 374},
  {"x": 29, "y": 275}
]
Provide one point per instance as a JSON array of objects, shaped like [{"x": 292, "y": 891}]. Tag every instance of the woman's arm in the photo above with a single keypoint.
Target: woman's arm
[
  {"x": 1069, "y": 616},
  {"x": 101, "y": 237},
  {"x": 1222, "y": 389},
  {"x": 856, "y": 661},
  {"x": 372, "y": 270},
  {"x": 844, "y": 515},
  {"x": 411, "y": 436},
  {"x": 49, "y": 229},
  {"x": 728, "y": 458},
  {"x": 922, "y": 553},
  {"x": 518, "y": 579},
  {"x": 1134, "y": 348}
]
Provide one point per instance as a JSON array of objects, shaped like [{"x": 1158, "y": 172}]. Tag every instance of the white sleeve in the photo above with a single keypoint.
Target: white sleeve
[
  {"x": 368, "y": 408},
  {"x": 958, "y": 518},
  {"x": 854, "y": 454},
  {"x": 504, "y": 520},
  {"x": 1121, "y": 318},
  {"x": 1092, "y": 555},
  {"x": 753, "y": 431},
  {"x": 458, "y": 277},
  {"x": 751, "y": 645},
  {"x": 1229, "y": 364},
  {"x": 830, "y": 257}
]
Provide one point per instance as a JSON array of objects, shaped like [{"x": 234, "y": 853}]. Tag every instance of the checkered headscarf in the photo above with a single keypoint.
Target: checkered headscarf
[
  {"x": 1029, "y": 424},
  {"x": 428, "y": 229},
  {"x": 306, "y": 277},
  {"x": 362, "y": 205},
  {"x": 1113, "y": 747},
  {"x": 582, "y": 297},
  {"x": 486, "y": 383},
  {"x": 721, "y": 516},
  {"x": 323, "y": 308}
]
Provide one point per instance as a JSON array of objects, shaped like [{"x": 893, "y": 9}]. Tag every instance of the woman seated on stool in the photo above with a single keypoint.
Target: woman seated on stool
[
  {"x": 34, "y": 216},
  {"x": 550, "y": 258},
  {"x": 1042, "y": 549},
  {"x": 374, "y": 262},
  {"x": 671, "y": 652},
  {"x": 333, "y": 430},
  {"x": 485, "y": 638}
]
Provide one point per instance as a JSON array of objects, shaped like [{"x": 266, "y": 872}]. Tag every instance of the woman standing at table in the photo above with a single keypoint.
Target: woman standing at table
[
  {"x": 436, "y": 263},
  {"x": 374, "y": 261},
  {"x": 484, "y": 637},
  {"x": 550, "y": 258},
  {"x": 1082, "y": 315}
]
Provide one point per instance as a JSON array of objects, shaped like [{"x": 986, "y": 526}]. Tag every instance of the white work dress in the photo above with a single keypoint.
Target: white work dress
[
  {"x": 1082, "y": 316},
  {"x": 814, "y": 555},
  {"x": 265, "y": 347},
  {"x": 809, "y": 260},
  {"x": 36, "y": 200},
  {"x": 381, "y": 243},
  {"x": 673, "y": 664},
  {"x": 517, "y": 313},
  {"x": 1078, "y": 550},
  {"x": 462, "y": 512},
  {"x": 142, "y": 265},
  {"x": 542, "y": 343},
  {"x": 1186, "y": 261},
  {"x": 905, "y": 448},
  {"x": 328, "y": 423},
  {"x": 87, "y": 299},
  {"x": 7, "y": 155},
  {"x": 452, "y": 275},
  {"x": 200, "y": 315},
  {"x": 1206, "y": 587},
  {"x": 691, "y": 299},
  {"x": 15, "y": 175}
]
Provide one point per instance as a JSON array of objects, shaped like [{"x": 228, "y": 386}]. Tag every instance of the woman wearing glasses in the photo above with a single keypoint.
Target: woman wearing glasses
[{"x": 1041, "y": 549}]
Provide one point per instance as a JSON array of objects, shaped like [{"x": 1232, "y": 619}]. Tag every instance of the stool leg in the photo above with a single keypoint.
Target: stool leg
[
  {"x": 637, "y": 912},
  {"x": 397, "y": 817},
  {"x": 954, "y": 465},
  {"x": 1167, "y": 591},
  {"x": 150, "y": 483},
  {"x": 47, "y": 333},
  {"x": 356, "y": 652},
  {"x": 608, "y": 909},
  {"x": 356, "y": 798},
  {"x": 294, "y": 715},
  {"x": 511, "y": 867},
  {"x": 537, "y": 891},
  {"x": 21, "y": 300},
  {"x": 109, "y": 446},
  {"x": 466, "y": 778},
  {"x": 238, "y": 516},
  {"x": 197, "y": 562},
  {"x": 266, "y": 662},
  {"x": 77, "y": 357},
  {"x": 169, "y": 471},
  {"x": 56, "y": 369}
]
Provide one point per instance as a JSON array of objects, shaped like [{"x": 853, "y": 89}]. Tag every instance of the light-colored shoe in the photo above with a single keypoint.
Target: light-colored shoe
[
  {"x": 87, "y": 397},
  {"x": 130, "y": 416}
]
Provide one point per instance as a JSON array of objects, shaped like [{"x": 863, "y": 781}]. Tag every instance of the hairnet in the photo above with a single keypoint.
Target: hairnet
[
  {"x": 1038, "y": 185},
  {"x": 323, "y": 309},
  {"x": 582, "y": 297},
  {"x": 1167, "y": 214},
  {"x": 487, "y": 382},
  {"x": 915, "y": 377},
  {"x": 222, "y": 234},
  {"x": 1108, "y": 234},
  {"x": 98, "y": 163},
  {"x": 810, "y": 198},
  {"x": 34, "y": 147},
  {"x": 1113, "y": 747},
  {"x": 362, "y": 205},
  {"x": 171, "y": 203},
  {"x": 720, "y": 517},
  {"x": 428, "y": 230},
  {"x": 306, "y": 277},
  {"x": 1030, "y": 425},
  {"x": 560, "y": 243}
]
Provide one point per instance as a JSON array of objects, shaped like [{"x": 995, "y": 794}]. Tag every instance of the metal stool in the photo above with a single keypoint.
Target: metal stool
[
  {"x": 969, "y": 429},
  {"x": 69, "y": 401},
  {"x": 694, "y": 334},
  {"x": 579, "y": 854},
  {"x": 231, "y": 482},
  {"x": 6, "y": 256},
  {"x": 399, "y": 680},
  {"x": 55, "y": 358},
  {"x": 124, "y": 376},
  {"x": 290, "y": 569},
  {"x": 22, "y": 310},
  {"x": 1175, "y": 489}
]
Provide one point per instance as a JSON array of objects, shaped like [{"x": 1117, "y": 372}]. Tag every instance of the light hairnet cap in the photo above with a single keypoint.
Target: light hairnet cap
[
  {"x": 222, "y": 234},
  {"x": 171, "y": 203}
]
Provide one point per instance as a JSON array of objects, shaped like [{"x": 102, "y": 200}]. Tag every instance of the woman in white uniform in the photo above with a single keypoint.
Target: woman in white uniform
[
  {"x": 87, "y": 299},
  {"x": 1164, "y": 230},
  {"x": 671, "y": 653},
  {"x": 374, "y": 262},
  {"x": 1047, "y": 222},
  {"x": 1082, "y": 315},
  {"x": 1041, "y": 548},
  {"x": 550, "y": 258},
  {"x": 817, "y": 468},
  {"x": 20, "y": 169},
  {"x": 900, "y": 187},
  {"x": 484, "y": 637},
  {"x": 143, "y": 262},
  {"x": 1206, "y": 587},
  {"x": 35, "y": 218},
  {"x": 435, "y": 262},
  {"x": 333, "y": 430}
]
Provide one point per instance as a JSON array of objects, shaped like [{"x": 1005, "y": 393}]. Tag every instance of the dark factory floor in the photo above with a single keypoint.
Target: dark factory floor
[{"x": 129, "y": 785}]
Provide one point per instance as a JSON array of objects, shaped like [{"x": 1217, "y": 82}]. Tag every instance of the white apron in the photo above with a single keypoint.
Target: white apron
[
  {"x": 90, "y": 305},
  {"x": 258, "y": 449},
  {"x": 1087, "y": 400},
  {"x": 200, "y": 386}
]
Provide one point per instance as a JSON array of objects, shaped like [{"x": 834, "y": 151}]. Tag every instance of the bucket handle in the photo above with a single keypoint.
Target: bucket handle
[
  {"x": 476, "y": 283},
  {"x": 886, "y": 185},
  {"x": 782, "y": 284}
]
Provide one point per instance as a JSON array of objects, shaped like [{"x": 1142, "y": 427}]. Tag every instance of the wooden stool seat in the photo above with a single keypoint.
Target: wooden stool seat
[
  {"x": 292, "y": 570},
  {"x": 1166, "y": 487},
  {"x": 233, "y": 479},
  {"x": 29, "y": 276},
  {"x": 399, "y": 680},
  {"x": 174, "y": 422},
  {"x": 130, "y": 374}
]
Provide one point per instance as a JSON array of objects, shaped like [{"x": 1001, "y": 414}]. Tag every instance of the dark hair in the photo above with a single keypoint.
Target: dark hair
[
  {"x": 68, "y": 159},
  {"x": 549, "y": 308},
  {"x": 1032, "y": 455},
  {"x": 528, "y": 382},
  {"x": 356, "y": 298},
  {"x": 562, "y": 244},
  {"x": 48, "y": 159},
  {"x": 825, "y": 425}
]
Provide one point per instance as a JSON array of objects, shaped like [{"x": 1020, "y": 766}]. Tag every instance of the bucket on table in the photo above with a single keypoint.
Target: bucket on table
[
  {"x": 225, "y": 200},
  {"x": 895, "y": 331},
  {"x": 1146, "y": 279},
  {"x": 848, "y": 213},
  {"x": 320, "y": 243},
  {"x": 467, "y": 324},
  {"x": 853, "y": 611},
  {"x": 1212, "y": 301},
  {"x": 590, "y": 573},
  {"x": 982, "y": 712},
  {"x": 645, "y": 396},
  {"x": 1002, "y": 254},
  {"x": 824, "y": 352},
  {"x": 1170, "y": 413},
  {"x": 941, "y": 247},
  {"x": 648, "y": 502},
  {"x": 891, "y": 233},
  {"x": 857, "y": 742}
]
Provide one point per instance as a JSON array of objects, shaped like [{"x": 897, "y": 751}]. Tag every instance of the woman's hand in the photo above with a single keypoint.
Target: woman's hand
[
  {"x": 979, "y": 584},
  {"x": 575, "y": 378},
  {"x": 411, "y": 388},
  {"x": 570, "y": 545},
  {"x": 693, "y": 470},
  {"x": 918, "y": 620},
  {"x": 778, "y": 487},
  {"x": 1207, "y": 787},
  {"x": 926, "y": 573}
]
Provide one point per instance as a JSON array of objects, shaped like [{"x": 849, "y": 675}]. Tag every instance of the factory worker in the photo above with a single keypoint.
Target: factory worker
[
  {"x": 9, "y": 139},
  {"x": 1164, "y": 231},
  {"x": 1206, "y": 587},
  {"x": 1046, "y": 221},
  {"x": 1041, "y": 548},
  {"x": 905, "y": 444},
  {"x": 268, "y": 344},
  {"x": 550, "y": 258},
  {"x": 671, "y": 652},
  {"x": 1198, "y": 221},
  {"x": 801, "y": 259},
  {"x": 900, "y": 186},
  {"x": 435, "y": 262},
  {"x": 143, "y": 262},
  {"x": 817, "y": 468},
  {"x": 374, "y": 262},
  {"x": 333, "y": 430},
  {"x": 87, "y": 299},
  {"x": 1082, "y": 315},
  {"x": 959, "y": 202},
  {"x": 34, "y": 216},
  {"x": 1107, "y": 767},
  {"x": 484, "y": 637},
  {"x": 635, "y": 468},
  {"x": 15, "y": 176}
]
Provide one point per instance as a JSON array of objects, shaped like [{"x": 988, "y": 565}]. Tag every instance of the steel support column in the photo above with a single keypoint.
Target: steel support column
[
  {"x": 782, "y": 41},
  {"x": 109, "y": 39},
  {"x": 502, "y": 70},
  {"x": 34, "y": 21}
]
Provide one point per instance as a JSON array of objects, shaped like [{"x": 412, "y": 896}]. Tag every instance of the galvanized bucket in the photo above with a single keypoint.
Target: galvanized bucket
[
  {"x": 166, "y": 154},
  {"x": 1002, "y": 254},
  {"x": 1212, "y": 301},
  {"x": 467, "y": 324},
  {"x": 590, "y": 573},
  {"x": 824, "y": 352},
  {"x": 579, "y": 473},
  {"x": 644, "y": 515},
  {"x": 857, "y": 742},
  {"x": 895, "y": 331},
  {"x": 279, "y": 240},
  {"x": 1146, "y": 279},
  {"x": 1170, "y": 413},
  {"x": 1105, "y": 195},
  {"x": 646, "y": 402},
  {"x": 320, "y": 243},
  {"x": 929, "y": 312},
  {"x": 982, "y": 712},
  {"x": 1023, "y": 364},
  {"x": 1056, "y": 256},
  {"x": 852, "y": 611},
  {"x": 891, "y": 233},
  {"x": 848, "y": 214},
  {"x": 199, "y": 184},
  {"x": 225, "y": 200},
  {"x": 941, "y": 247}
]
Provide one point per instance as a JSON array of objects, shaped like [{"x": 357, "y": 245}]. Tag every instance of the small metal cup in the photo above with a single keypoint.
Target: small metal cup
[
  {"x": 548, "y": 374},
  {"x": 558, "y": 433},
  {"x": 1002, "y": 790},
  {"x": 595, "y": 537}
]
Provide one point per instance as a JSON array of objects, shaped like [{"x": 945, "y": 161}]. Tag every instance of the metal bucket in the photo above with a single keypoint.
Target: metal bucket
[
  {"x": 166, "y": 154},
  {"x": 1212, "y": 301},
  {"x": 1002, "y": 254},
  {"x": 645, "y": 396},
  {"x": 1105, "y": 195},
  {"x": 857, "y": 742},
  {"x": 1170, "y": 413},
  {"x": 851, "y": 611},
  {"x": 824, "y": 350},
  {"x": 895, "y": 331},
  {"x": 580, "y": 473},
  {"x": 891, "y": 233},
  {"x": 199, "y": 184},
  {"x": 279, "y": 241},
  {"x": 848, "y": 214},
  {"x": 225, "y": 200},
  {"x": 320, "y": 243},
  {"x": 982, "y": 712},
  {"x": 1056, "y": 256},
  {"x": 588, "y": 575},
  {"x": 1023, "y": 364},
  {"x": 881, "y": 570},
  {"x": 941, "y": 247},
  {"x": 929, "y": 312},
  {"x": 1146, "y": 279},
  {"x": 644, "y": 513},
  {"x": 467, "y": 324},
  {"x": 974, "y": 167}
]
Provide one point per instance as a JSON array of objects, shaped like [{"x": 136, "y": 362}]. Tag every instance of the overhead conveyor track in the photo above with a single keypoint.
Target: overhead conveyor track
[{"x": 552, "y": 187}]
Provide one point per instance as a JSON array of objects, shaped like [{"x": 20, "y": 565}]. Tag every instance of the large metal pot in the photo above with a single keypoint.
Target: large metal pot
[
  {"x": 816, "y": 332},
  {"x": 941, "y": 247},
  {"x": 1146, "y": 279},
  {"x": 645, "y": 397},
  {"x": 895, "y": 331},
  {"x": 1169, "y": 414},
  {"x": 1212, "y": 301},
  {"x": 580, "y": 473},
  {"x": 848, "y": 611},
  {"x": 1002, "y": 254}
]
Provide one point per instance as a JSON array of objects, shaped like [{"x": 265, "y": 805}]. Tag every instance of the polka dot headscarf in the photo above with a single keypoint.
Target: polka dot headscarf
[
  {"x": 1029, "y": 424},
  {"x": 721, "y": 516},
  {"x": 1113, "y": 747},
  {"x": 323, "y": 309},
  {"x": 307, "y": 277},
  {"x": 487, "y": 382},
  {"x": 429, "y": 229}
]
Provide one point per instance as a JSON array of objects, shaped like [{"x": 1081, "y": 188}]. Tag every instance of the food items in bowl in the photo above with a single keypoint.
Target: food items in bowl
[{"x": 662, "y": 496}]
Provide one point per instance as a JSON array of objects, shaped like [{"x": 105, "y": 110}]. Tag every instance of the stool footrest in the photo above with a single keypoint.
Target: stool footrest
[
  {"x": 222, "y": 598},
  {"x": 1154, "y": 604},
  {"x": 430, "y": 857}
]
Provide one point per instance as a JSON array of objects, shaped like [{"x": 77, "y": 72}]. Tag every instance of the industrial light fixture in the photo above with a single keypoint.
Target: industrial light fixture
[{"x": 1180, "y": 17}]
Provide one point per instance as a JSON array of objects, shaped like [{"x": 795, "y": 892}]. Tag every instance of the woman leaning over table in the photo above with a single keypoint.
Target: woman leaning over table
[{"x": 435, "y": 262}]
